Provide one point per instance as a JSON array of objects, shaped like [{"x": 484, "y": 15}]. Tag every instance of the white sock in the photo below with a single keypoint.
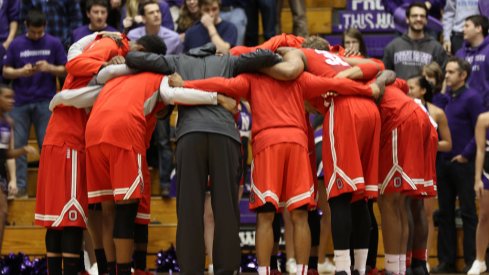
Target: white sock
[
  {"x": 402, "y": 264},
  {"x": 360, "y": 260},
  {"x": 301, "y": 269},
  {"x": 342, "y": 260},
  {"x": 263, "y": 270},
  {"x": 392, "y": 263}
]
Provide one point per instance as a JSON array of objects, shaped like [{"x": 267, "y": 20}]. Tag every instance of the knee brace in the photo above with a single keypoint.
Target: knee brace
[
  {"x": 314, "y": 221},
  {"x": 53, "y": 241},
  {"x": 125, "y": 214},
  {"x": 72, "y": 240},
  {"x": 140, "y": 233}
]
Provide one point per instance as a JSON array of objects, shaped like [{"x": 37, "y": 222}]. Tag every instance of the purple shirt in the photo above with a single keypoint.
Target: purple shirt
[
  {"x": 462, "y": 110},
  {"x": 83, "y": 31},
  {"x": 479, "y": 59},
  {"x": 440, "y": 100},
  {"x": 171, "y": 38},
  {"x": 22, "y": 51},
  {"x": 9, "y": 11},
  {"x": 166, "y": 19},
  {"x": 197, "y": 35}
]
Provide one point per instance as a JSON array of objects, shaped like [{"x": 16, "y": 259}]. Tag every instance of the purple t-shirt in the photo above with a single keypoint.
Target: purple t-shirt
[
  {"x": 197, "y": 35},
  {"x": 9, "y": 11},
  {"x": 479, "y": 59},
  {"x": 83, "y": 31},
  {"x": 22, "y": 51}
]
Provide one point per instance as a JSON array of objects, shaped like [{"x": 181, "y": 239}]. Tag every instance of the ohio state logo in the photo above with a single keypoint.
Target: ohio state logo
[
  {"x": 339, "y": 183},
  {"x": 397, "y": 182},
  {"x": 252, "y": 197}
]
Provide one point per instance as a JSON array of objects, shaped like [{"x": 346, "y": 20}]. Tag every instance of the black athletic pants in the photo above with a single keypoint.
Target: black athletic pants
[{"x": 200, "y": 155}]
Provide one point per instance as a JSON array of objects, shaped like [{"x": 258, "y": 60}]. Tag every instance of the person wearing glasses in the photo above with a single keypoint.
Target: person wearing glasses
[{"x": 407, "y": 54}]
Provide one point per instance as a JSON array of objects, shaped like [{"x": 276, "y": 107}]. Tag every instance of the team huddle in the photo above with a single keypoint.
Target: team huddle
[{"x": 378, "y": 143}]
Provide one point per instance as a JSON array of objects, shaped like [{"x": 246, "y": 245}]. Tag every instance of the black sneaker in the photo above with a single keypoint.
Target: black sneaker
[{"x": 444, "y": 268}]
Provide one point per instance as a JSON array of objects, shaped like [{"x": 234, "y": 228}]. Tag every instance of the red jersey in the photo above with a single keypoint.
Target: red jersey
[
  {"x": 67, "y": 124},
  {"x": 281, "y": 40},
  {"x": 395, "y": 107},
  {"x": 278, "y": 106},
  {"x": 124, "y": 112}
]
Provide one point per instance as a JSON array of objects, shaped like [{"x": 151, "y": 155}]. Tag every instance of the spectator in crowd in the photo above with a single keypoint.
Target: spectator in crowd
[
  {"x": 268, "y": 11},
  {"x": 114, "y": 18},
  {"x": 398, "y": 10},
  {"x": 454, "y": 14},
  {"x": 151, "y": 15},
  {"x": 175, "y": 6},
  {"x": 132, "y": 19},
  {"x": 481, "y": 187},
  {"x": 476, "y": 51},
  {"x": 353, "y": 40},
  {"x": 189, "y": 15},
  {"x": 211, "y": 28},
  {"x": 9, "y": 15},
  {"x": 62, "y": 16},
  {"x": 232, "y": 11},
  {"x": 33, "y": 61},
  {"x": 6, "y": 152},
  {"x": 406, "y": 55},
  {"x": 97, "y": 12},
  {"x": 299, "y": 18},
  {"x": 456, "y": 171}
]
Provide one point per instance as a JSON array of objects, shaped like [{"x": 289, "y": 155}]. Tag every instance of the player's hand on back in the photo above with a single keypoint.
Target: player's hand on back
[
  {"x": 119, "y": 59},
  {"x": 228, "y": 103},
  {"x": 175, "y": 80}
]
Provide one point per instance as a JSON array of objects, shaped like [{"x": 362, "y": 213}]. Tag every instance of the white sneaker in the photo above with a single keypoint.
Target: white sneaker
[
  {"x": 326, "y": 267},
  {"x": 291, "y": 266},
  {"x": 210, "y": 269},
  {"x": 93, "y": 270},
  {"x": 477, "y": 268}
]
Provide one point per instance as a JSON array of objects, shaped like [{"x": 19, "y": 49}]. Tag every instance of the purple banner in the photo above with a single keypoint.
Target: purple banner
[
  {"x": 365, "y": 5},
  {"x": 365, "y": 21}
]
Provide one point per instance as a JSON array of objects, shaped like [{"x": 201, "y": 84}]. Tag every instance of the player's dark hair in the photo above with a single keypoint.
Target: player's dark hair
[
  {"x": 4, "y": 87},
  {"x": 153, "y": 44}
]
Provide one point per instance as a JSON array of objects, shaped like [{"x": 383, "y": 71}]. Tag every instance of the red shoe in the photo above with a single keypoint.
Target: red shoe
[
  {"x": 312, "y": 271},
  {"x": 275, "y": 272}
]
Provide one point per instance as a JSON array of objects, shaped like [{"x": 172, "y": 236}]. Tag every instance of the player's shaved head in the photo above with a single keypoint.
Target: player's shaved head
[{"x": 316, "y": 42}]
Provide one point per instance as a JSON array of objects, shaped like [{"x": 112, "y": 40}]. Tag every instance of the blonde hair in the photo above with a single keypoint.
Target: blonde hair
[
  {"x": 186, "y": 19},
  {"x": 316, "y": 42},
  {"x": 132, "y": 8}
]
